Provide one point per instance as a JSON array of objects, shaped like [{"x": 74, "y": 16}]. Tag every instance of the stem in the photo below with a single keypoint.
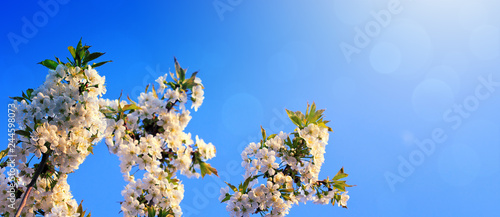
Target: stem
[
  {"x": 39, "y": 170},
  {"x": 172, "y": 105}
]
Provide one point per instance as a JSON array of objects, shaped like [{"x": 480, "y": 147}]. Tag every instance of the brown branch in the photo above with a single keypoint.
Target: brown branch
[
  {"x": 39, "y": 170},
  {"x": 171, "y": 105}
]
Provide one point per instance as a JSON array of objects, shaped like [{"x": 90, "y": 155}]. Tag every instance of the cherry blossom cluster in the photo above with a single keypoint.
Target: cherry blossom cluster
[
  {"x": 289, "y": 165},
  {"x": 62, "y": 117},
  {"x": 148, "y": 136},
  {"x": 60, "y": 120},
  {"x": 49, "y": 199},
  {"x": 59, "y": 123}
]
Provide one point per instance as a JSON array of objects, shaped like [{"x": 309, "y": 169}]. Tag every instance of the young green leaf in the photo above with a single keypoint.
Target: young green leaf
[
  {"x": 133, "y": 102},
  {"x": 23, "y": 133},
  {"x": 92, "y": 56},
  {"x": 95, "y": 65},
  {"x": 151, "y": 212},
  {"x": 206, "y": 169},
  {"x": 17, "y": 98},
  {"x": 79, "y": 46},
  {"x": 29, "y": 92},
  {"x": 51, "y": 64},
  {"x": 245, "y": 184},
  {"x": 4, "y": 153},
  {"x": 181, "y": 73},
  {"x": 226, "y": 198},
  {"x": 295, "y": 119},
  {"x": 131, "y": 107},
  {"x": 72, "y": 51},
  {"x": 154, "y": 92},
  {"x": 264, "y": 137},
  {"x": 232, "y": 187},
  {"x": 340, "y": 174}
]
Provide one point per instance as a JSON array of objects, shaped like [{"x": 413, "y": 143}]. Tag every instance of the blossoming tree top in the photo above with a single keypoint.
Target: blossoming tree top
[{"x": 60, "y": 122}]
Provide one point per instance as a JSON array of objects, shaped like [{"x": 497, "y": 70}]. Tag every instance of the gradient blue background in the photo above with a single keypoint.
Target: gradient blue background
[{"x": 260, "y": 57}]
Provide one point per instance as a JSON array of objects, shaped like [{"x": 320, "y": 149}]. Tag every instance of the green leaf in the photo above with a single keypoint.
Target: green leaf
[
  {"x": 128, "y": 97},
  {"x": 295, "y": 119},
  {"x": 107, "y": 111},
  {"x": 313, "y": 108},
  {"x": 194, "y": 74},
  {"x": 341, "y": 185},
  {"x": 51, "y": 64},
  {"x": 17, "y": 98},
  {"x": 151, "y": 212},
  {"x": 310, "y": 112},
  {"x": 206, "y": 169},
  {"x": 92, "y": 56},
  {"x": 245, "y": 184},
  {"x": 323, "y": 125},
  {"x": 70, "y": 62},
  {"x": 286, "y": 196},
  {"x": 81, "y": 211},
  {"x": 95, "y": 65},
  {"x": 80, "y": 207},
  {"x": 189, "y": 83},
  {"x": 23, "y": 133},
  {"x": 29, "y": 92},
  {"x": 313, "y": 118},
  {"x": 163, "y": 213},
  {"x": 232, "y": 187},
  {"x": 79, "y": 46},
  {"x": 28, "y": 128},
  {"x": 340, "y": 174},
  {"x": 58, "y": 61},
  {"x": 81, "y": 56},
  {"x": 131, "y": 107},
  {"x": 228, "y": 196},
  {"x": 289, "y": 113},
  {"x": 213, "y": 170},
  {"x": 26, "y": 97},
  {"x": 203, "y": 169},
  {"x": 292, "y": 117},
  {"x": 4, "y": 153},
  {"x": 173, "y": 77},
  {"x": 72, "y": 51},
  {"x": 264, "y": 137},
  {"x": 271, "y": 136},
  {"x": 87, "y": 53},
  {"x": 181, "y": 73},
  {"x": 307, "y": 109},
  {"x": 154, "y": 92}
]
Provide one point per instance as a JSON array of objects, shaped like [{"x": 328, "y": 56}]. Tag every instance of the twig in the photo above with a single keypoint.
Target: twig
[{"x": 39, "y": 170}]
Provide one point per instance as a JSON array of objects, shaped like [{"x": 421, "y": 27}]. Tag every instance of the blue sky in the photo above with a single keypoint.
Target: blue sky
[{"x": 412, "y": 89}]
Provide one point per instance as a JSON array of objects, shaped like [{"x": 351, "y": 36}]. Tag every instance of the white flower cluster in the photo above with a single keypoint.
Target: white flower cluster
[
  {"x": 263, "y": 159},
  {"x": 58, "y": 200},
  {"x": 161, "y": 191},
  {"x": 291, "y": 167},
  {"x": 316, "y": 139},
  {"x": 61, "y": 118},
  {"x": 262, "y": 197},
  {"x": 149, "y": 136},
  {"x": 64, "y": 113}
]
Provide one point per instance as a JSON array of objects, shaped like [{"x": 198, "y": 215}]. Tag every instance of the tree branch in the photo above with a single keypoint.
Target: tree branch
[{"x": 39, "y": 170}]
